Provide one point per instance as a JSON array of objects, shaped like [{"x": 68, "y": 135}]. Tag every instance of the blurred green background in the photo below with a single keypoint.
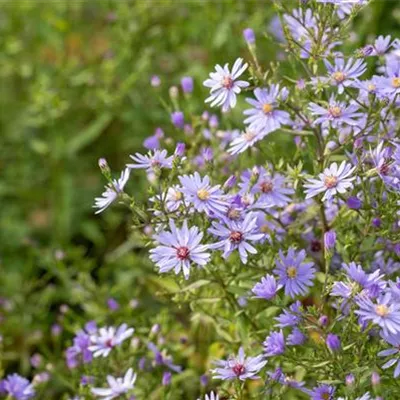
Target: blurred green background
[{"x": 74, "y": 87}]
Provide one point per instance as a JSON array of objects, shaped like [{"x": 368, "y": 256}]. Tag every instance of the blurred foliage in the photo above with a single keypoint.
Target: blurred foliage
[{"x": 75, "y": 86}]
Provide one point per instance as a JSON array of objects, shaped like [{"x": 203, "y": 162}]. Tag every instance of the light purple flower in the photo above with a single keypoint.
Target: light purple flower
[
  {"x": 224, "y": 86},
  {"x": 382, "y": 45},
  {"x": 322, "y": 392},
  {"x": 17, "y": 387},
  {"x": 240, "y": 367},
  {"x": 117, "y": 386},
  {"x": 79, "y": 351},
  {"x": 264, "y": 116},
  {"x": 294, "y": 275},
  {"x": 106, "y": 338},
  {"x": 291, "y": 317},
  {"x": 274, "y": 344},
  {"x": 267, "y": 288},
  {"x": 394, "y": 340},
  {"x": 342, "y": 74},
  {"x": 113, "y": 190},
  {"x": 204, "y": 197},
  {"x": 336, "y": 114},
  {"x": 333, "y": 180},
  {"x": 249, "y": 36},
  {"x": 296, "y": 338},
  {"x": 152, "y": 160},
  {"x": 179, "y": 249},
  {"x": 236, "y": 235},
  {"x": 246, "y": 140},
  {"x": 187, "y": 84},
  {"x": 333, "y": 342},
  {"x": 385, "y": 312}
]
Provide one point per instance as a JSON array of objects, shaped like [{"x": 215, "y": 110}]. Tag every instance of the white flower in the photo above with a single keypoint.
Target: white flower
[
  {"x": 107, "y": 338},
  {"x": 112, "y": 191},
  {"x": 117, "y": 386},
  {"x": 211, "y": 396},
  {"x": 245, "y": 140},
  {"x": 223, "y": 86}
]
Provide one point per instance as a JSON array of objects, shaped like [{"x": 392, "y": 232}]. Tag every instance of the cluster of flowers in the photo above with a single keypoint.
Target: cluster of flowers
[{"x": 299, "y": 231}]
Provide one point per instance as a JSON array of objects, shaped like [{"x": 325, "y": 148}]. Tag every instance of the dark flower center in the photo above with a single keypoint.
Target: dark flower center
[
  {"x": 238, "y": 369},
  {"x": 385, "y": 168},
  {"x": 109, "y": 343},
  {"x": 326, "y": 396},
  {"x": 227, "y": 82},
  {"x": 233, "y": 213},
  {"x": 266, "y": 187},
  {"x": 182, "y": 253},
  {"x": 155, "y": 163},
  {"x": 236, "y": 237},
  {"x": 330, "y": 181},
  {"x": 315, "y": 246}
]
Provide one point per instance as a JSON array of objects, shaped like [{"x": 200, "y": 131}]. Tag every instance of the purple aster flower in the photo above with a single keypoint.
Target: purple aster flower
[
  {"x": 80, "y": 346},
  {"x": 204, "y": 197},
  {"x": 271, "y": 189},
  {"x": 179, "y": 248},
  {"x": 161, "y": 358},
  {"x": 333, "y": 342},
  {"x": 342, "y": 74},
  {"x": 224, "y": 86},
  {"x": 333, "y": 180},
  {"x": 390, "y": 83},
  {"x": 152, "y": 160},
  {"x": 291, "y": 317},
  {"x": 322, "y": 392},
  {"x": 117, "y": 386},
  {"x": 17, "y": 387},
  {"x": 106, "y": 338},
  {"x": 294, "y": 275},
  {"x": 264, "y": 116},
  {"x": 296, "y": 338},
  {"x": 246, "y": 140},
  {"x": 267, "y": 288},
  {"x": 274, "y": 344},
  {"x": 385, "y": 312},
  {"x": 240, "y": 367},
  {"x": 236, "y": 235},
  {"x": 284, "y": 380},
  {"x": 113, "y": 190},
  {"x": 336, "y": 114},
  {"x": 354, "y": 203},
  {"x": 394, "y": 340},
  {"x": 382, "y": 45}
]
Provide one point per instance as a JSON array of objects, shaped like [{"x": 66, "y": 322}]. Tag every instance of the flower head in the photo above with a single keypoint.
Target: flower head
[
  {"x": 265, "y": 116},
  {"x": 117, "y": 386},
  {"x": 294, "y": 275},
  {"x": 267, "y": 288},
  {"x": 236, "y": 235},
  {"x": 106, "y": 338},
  {"x": 152, "y": 160},
  {"x": 112, "y": 191},
  {"x": 240, "y": 367},
  {"x": 224, "y": 86},
  {"x": 322, "y": 392},
  {"x": 333, "y": 180},
  {"x": 274, "y": 344},
  {"x": 204, "y": 197},
  {"x": 17, "y": 387}
]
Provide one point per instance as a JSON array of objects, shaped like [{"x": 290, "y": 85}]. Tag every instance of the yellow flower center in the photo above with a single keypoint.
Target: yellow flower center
[
  {"x": 382, "y": 310},
  {"x": 291, "y": 272},
  {"x": 396, "y": 82},
  {"x": 371, "y": 87},
  {"x": 326, "y": 396},
  {"x": 267, "y": 108},
  {"x": 203, "y": 194},
  {"x": 264, "y": 229},
  {"x": 330, "y": 181},
  {"x": 335, "y": 111},
  {"x": 339, "y": 76},
  {"x": 178, "y": 196}
]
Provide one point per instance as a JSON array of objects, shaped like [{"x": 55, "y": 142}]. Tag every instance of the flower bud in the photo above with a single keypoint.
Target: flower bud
[
  {"x": 330, "y": 240},
  {"x": 187, "y": 84},
  {"x": 166, "y": 379},
  {"x": 213, "y": 121},
  {"x": 249, "y": 36},
  {"x": 323, "y": 320},
  {"x": 333, "y": 342},
  {"x": 112, "y": 304},
  {"x": 204, "y": 380},
  {"x": 173, "y": 92},
  {"x": 155, "y": 81},
  {"x": 377, "y": 222},
  {"x": 354, "y": 203},
  {"x": 375, "y": 379},
  {"x": 180, "y": 149},
  {"x": 230, "y": 182},
  {"x": 178, "y": 119},
  {"x": 350, "y": 379},
  {"x": 105, "y": 169}
]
